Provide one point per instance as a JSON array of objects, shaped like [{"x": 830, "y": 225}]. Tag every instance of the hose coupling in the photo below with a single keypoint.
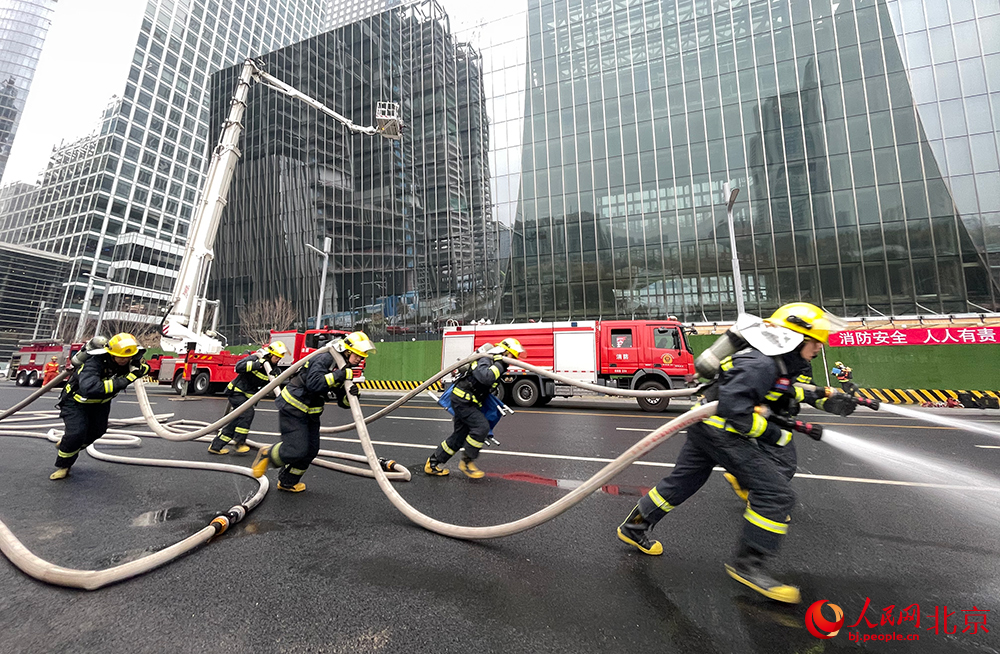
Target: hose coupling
[
  {"x": 236, "y": 513},
  {"x": 864, "y": 401},
  {"x": 221, "y": 524},
  {"x": 386, "y": 464}
]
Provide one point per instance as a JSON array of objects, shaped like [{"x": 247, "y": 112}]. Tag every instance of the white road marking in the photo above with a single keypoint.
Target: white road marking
[
  {"x": 989, "y": 447},
  {"x": 413, "y": 418}
]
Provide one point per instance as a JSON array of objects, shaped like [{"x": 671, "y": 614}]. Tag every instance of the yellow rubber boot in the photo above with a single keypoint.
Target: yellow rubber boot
[
  {"x": 471, "y": 470},
  {"x": 739, "y": 490},
  {"x": 261, "y": 462},
  {"x": 297, "y": 488},
  {"x": 60, "y": 473},
  {"x": 435, "y": 469},
  {"x": 635, "y": 531}
]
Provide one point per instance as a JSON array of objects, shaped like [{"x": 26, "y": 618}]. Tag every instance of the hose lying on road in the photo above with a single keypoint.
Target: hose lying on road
[
  {"x": 51, "y": 573},
  {"x": 576, "y": 496},
  {"x": 34, "y": 396}
]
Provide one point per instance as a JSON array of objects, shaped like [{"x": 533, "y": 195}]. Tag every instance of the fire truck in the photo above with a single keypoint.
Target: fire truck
[
  {"x": 645, "y": 355},
  {"x": 28, "y": 361},
  {"x": 201, "y": 362},
  {"x": 210, "y": 373}
]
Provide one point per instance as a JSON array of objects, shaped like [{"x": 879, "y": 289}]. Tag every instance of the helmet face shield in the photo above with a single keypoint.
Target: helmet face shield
[
  {"x": 358, "y": 343},
  {"x": 808, "y": 320},
  {"x": 277, "y": 349}
]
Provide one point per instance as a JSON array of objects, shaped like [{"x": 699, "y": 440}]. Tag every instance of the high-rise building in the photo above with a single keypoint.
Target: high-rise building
[
  {"x": 119, "y": 203},
  {"x": 413, "y": 241},
  {"x": 24, "y": 25},
  {"x": 337, "y": 13},
  {"x": 862, "y": 135},
  {"x": 29, "y": 294}
]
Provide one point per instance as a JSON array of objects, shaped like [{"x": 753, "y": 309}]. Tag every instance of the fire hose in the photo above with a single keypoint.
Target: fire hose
[{"x": 51, "y": 573}]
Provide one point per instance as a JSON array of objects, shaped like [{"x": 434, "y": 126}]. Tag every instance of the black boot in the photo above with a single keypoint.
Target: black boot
[
  {"x": 749, "y": 569},
  {"x": 634, "y": 531}
]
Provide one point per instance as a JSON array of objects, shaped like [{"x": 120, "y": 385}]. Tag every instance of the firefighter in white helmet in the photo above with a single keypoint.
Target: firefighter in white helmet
[
  {"x": 301, "y": 404},
  {"x": 253, "y": 373},
  {"x": 471, "y": 426},
  {"x": 107, "y": 367}
]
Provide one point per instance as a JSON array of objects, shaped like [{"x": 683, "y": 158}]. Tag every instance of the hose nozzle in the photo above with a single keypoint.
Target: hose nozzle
[{"x": 864, "y": 401}]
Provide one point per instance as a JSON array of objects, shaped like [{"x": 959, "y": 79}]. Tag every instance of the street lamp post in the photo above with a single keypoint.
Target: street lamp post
[
  {"x": 325, "y": 253},
  {"x": 730, "y": 199}
]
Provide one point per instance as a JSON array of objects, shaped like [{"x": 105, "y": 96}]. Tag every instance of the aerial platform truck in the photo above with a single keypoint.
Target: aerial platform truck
[{"x": 190, "y": 328}]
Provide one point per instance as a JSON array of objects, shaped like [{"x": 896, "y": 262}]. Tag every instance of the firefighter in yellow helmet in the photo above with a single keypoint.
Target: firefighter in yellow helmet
[
  {"x": 773, "y": 355},
  {"x": 109, "y": 367},
  {"x": 253, "y": 373},
  {"x": 301, "y": 404},
  {"x": 471, "y": 426}
]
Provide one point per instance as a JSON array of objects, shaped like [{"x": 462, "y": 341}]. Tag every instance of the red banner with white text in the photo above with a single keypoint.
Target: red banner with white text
[{"x": 937, "y": 336}]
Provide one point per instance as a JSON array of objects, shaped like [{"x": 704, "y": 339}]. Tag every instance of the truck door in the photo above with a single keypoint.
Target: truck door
[
  {"x": 665, "y": 350},
  {"x": 623, "y": 351}
]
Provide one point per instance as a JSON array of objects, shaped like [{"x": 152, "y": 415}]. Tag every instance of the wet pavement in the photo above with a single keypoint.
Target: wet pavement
[{"x": 339, "y": 569}]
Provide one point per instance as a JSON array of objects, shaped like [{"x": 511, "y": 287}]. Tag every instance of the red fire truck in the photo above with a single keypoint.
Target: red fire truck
[
  {"x": 210, "y": 373},
  {"x": 635, "y": 354},
  {"x": 28, "y": 361}
]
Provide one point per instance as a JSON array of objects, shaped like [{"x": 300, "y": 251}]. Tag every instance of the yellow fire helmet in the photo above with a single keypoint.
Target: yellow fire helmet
[
  {"x": 122, "y": 345},
  {"x": 277, "y": 348},
  {"x": 808, "y": 320},
  {"x": 356, "y": 342},
  {"x": 510, "y": 346}
]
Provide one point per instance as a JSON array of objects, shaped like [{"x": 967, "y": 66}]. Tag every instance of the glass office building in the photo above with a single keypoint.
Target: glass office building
[
  {"x": 413, "y": 239},
  {"x": 119, "y": 202},
  {"x": 862, "y": 136},
  {"x": 24, "y": 25}
]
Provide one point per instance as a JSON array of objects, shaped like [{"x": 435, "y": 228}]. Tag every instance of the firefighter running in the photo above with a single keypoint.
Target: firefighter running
[
  {"x": 301, "y": 404},
  {"x": 253, "y": 374},
  {"x": 471, "y": 426},
  {"x": 86, "y": 399},
  {"x": 753, "y": 448},
  {"x": 845, "y": 375}
]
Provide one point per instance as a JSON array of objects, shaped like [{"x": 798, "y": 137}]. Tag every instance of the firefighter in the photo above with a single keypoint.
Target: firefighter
[
  {"x": 50, "y": 370},
  {"x": 86, "y": 399},
  {"x": 253, "y": 374},
  {"x": 735, "y": 439},
  {"x": 471, "y": 426},
  {"x": 300, "y": 405},
  {"x": 845, "y": 376}
]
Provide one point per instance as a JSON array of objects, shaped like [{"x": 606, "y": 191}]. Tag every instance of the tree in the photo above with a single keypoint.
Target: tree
[{"x": 259, "y": 317}]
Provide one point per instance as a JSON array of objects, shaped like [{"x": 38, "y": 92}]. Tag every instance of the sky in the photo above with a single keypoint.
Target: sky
[{"x": 84, "y": 61}]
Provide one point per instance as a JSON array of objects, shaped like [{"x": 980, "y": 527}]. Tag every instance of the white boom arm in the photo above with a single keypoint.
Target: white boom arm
[{"x": 184, "y": 323}]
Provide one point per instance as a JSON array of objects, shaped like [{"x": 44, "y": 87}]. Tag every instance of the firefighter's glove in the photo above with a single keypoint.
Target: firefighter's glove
[
  {"x": 138, "y": 371},
  {"x": 353, "y": 390},
  {"x": 814, "y": 432},
  {"x": 342, "y": 375},
  {"x": 840, "y": 404}
]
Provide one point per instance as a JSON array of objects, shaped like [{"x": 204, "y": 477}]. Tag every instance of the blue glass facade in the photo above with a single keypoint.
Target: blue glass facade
[{"x": 635, "y": 113}]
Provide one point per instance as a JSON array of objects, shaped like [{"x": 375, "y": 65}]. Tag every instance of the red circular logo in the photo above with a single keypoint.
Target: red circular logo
[{"x": 817, "y": 624}]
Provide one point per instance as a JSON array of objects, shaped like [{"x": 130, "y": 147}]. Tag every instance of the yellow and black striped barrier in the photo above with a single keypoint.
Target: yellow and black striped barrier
[
  {"x": 372, "y": 384},
  {"x": 918, "y": 395}
]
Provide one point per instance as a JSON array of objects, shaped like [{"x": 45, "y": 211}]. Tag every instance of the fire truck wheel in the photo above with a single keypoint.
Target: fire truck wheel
[
  {"x": 201, "y": 382},
  {"x": 500, "y": 392},
  {"x": 34, "y": 379},
  {"x": 525, "y": 393},
  {"x": 22, "y": 379},
  {"x": 178, "y": 380},
  {"x": 652, "y": 404}
]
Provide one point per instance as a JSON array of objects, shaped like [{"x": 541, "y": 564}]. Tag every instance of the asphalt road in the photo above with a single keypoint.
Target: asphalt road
[{"x": 339, "y": 569}]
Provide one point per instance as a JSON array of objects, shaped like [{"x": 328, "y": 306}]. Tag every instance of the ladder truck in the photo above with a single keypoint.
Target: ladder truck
[{"x": 190, "y": 328}]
